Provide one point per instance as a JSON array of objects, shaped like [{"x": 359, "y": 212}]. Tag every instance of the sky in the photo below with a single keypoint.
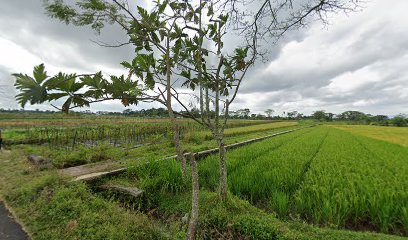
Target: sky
[{"x": 359, "y": 61}]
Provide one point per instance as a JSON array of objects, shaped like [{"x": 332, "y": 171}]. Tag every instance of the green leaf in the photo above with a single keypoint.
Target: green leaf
[
  {"x": 189, "y": 15},
  {"x": 149, "y": 80},
  {"x": 186, "y": 74},
  {"x": 56, "y": 96},
  {"x": 39, "y": 73},
  {"x": 141, "y": 61},
  {"x": 174, "y": 5},
  {"x": 223, "y": 18},
  {"x": 143, "y": 13},
  {"x": 24, "y": 81},
  {"x": 163, "y": 6},
  {"x": 210, "y": 10},
  {"x": 30, "y": 90},
  {"x": 162, "y": 33},
  {"x": 192, "y": 86},
  {"x": 155, "y": 38},
  {"x": 126, "y": 64}
]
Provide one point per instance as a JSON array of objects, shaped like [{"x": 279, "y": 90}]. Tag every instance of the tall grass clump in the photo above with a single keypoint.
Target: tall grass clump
[{"x": 159, "y": 176}]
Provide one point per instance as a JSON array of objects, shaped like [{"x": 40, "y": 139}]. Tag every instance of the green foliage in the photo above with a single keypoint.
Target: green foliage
[
  {"x": 87, "y": 12},
  {"x": 31, "y": 89},
  {"x": 76, "y": 90},
  {"x": 400, "y": 121}
]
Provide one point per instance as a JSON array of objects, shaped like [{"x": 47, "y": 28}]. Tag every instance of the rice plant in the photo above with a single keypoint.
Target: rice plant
[{"x": 323, "y": 175}]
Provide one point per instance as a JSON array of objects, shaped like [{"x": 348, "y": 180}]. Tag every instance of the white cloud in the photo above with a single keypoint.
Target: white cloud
[
  {"x": 355, "y": 62},
  {"x": 359, "y": 62}
]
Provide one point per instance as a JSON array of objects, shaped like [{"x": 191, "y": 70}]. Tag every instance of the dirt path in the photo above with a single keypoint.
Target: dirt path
[{"x": 9, "y": 228}]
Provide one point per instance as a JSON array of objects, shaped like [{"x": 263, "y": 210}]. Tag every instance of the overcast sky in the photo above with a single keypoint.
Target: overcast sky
[{"x": 358, "y": 62}]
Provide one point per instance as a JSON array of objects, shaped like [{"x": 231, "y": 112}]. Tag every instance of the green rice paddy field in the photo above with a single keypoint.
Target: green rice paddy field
[{"x": 325, "y": 176}]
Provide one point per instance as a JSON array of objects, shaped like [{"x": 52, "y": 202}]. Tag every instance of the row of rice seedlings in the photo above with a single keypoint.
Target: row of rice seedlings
[
  {"x": 393, "y": 158},
  {"x": 356, "y": 182},
  {"x": 276, "y": 174},
  {"x": 121, "y": 135},
  {"x": 104, "y": 134},
  {"x": 116, "y": 133},
  {"x": 239, "y": 157}
]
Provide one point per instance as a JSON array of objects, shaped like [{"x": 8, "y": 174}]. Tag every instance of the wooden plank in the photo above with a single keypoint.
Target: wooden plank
[
  {"x": 89, "y": 168},
  {"x": 94, "y": 176}
]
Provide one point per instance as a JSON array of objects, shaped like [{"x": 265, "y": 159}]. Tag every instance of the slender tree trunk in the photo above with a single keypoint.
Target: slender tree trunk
[
  {"x": 175, "y": 126},
  {"x": 177, "y": 143},
  {"x": 192, "y": 225},
  {"x": 218, "y": 130},
  {"x": 221, "y": 145},
  {"x": 223, "y": 168}
]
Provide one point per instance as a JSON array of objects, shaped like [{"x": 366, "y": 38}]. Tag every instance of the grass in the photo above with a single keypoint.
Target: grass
[
  {"x": 235, "y": 218},
  {"x": 323, "y": 175},
  {"x": 395, "y": 135},
  {"x": 52, "y": 208}
]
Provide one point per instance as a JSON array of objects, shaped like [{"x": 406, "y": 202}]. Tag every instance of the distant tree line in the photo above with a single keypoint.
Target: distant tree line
[{"x": 354, "y": 117}]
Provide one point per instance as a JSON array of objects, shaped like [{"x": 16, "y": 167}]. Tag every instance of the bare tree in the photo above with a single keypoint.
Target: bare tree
[{"x": 269, "y": 112}]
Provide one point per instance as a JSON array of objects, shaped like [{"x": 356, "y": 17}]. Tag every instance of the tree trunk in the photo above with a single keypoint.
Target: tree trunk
[
  {"x": 192, "y": 225},
  {"x": 223, "y": 169},
  {"x": 177, "y": 143},
  {"x": 175, "y": 127}
]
